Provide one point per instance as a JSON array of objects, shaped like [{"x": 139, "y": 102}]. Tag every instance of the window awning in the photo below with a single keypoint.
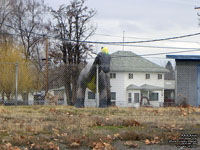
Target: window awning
[
  {"x": 150, "y": 87},
  {"x": 143, "y": 87},
  {"x": 133, "y": 87}
]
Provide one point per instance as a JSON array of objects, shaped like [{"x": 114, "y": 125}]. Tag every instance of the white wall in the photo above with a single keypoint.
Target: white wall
[
  {"x": 139, "y": 78},
  {"x": 122, "y": 81},
  {"x": 118, "y": 86}
]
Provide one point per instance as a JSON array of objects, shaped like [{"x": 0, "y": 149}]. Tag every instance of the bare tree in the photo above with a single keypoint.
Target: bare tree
[
  {"x": 72, "y": 27},
  {"x": 27, "y": 21},
  {"x": 171, "y": 74},
  {"x": 4, "y": 12}
]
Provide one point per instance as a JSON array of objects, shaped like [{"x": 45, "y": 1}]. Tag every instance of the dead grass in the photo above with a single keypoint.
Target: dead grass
[{"x": 62, "y": 127}]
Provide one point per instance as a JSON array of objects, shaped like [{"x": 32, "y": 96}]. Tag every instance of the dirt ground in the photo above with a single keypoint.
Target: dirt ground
[{"x": 63, "y": 127}]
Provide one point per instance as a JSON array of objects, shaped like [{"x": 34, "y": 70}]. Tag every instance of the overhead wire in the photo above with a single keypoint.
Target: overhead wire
[
  {"x": 113, "y": 44},
  {"x": 127, "y": 37},
  {"x": 130, "y": 42},
  {"x": 153, "y": 54},
  {"x": 119, "y": 43}
]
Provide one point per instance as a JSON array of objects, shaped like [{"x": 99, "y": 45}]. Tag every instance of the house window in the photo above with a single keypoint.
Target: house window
[
  {"x": 91, "y": 95},
  {"x": 147, "y": 76},
  {"x": 130, "y": 75},
  {"x": 153, "y": 96},
  {"x": 113, "y": 98},
  {"x": 113, "y": 95},
  {"x": 136, "y": 97},
  {"x": 129, "y": 98},
  {"x": 112, "y": 75},
  {"x": 159, "y": 76}
]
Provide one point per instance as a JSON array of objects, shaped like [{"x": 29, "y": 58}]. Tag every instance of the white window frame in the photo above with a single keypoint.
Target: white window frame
[
  {"x": 154, "y": 99},
  {"x": 138, "y": 97},
  {"x": 130, "y": 98},
  {"x": 113, "y": 101},
  {"x": 147, "y": 77},
  {"x": 112, "y": 75},
  {"x": 91, "y": 93},
  {"x": 130, "y": 76},
  {"x": 160, "y": 76}
]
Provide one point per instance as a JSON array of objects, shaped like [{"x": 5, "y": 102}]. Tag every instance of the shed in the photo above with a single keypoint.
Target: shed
[{"x": 187, "y": 79}]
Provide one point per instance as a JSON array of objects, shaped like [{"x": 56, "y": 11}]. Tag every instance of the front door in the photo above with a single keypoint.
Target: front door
[{"x": 133, "y": 99}]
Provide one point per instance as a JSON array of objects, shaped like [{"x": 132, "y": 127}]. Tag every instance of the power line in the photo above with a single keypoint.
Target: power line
[
  {"x": 155, "y": 40},
  {"x": 154, "y": 54},
  {"x": 131, "y": 42},
  {"x": 115, "y": 44},
  {"x": 127, "y": 37},
  {"x": 149, "y": 46}
]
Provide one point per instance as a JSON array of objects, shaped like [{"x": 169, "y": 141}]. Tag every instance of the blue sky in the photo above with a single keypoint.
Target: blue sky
[{"x": 144, "y": 19}]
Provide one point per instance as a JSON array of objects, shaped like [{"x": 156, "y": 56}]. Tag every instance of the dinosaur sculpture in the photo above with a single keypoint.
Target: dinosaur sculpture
[{"x": 87, "y": 79}]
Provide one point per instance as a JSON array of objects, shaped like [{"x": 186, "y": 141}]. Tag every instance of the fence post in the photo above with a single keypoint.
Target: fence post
[
  {"x": 16, "y": 83},
  {"x": 97, "y": 86},
  {"x": 46, "y": 63}
]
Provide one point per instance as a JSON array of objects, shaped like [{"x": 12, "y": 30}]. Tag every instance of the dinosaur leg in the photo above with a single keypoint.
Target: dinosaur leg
[
  {"x": 103, "y": 91},
  {"x": 108, "y": 89},
  {"x": 103, "y": 98},
  {"x": 80, "y": 98}
]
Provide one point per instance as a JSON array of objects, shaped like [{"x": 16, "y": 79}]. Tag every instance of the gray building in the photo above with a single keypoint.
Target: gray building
[{"x": 187, "y": 79}]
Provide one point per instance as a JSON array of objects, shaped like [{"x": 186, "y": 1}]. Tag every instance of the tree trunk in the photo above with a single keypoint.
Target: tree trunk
[
  {"x": 2, "y": 97},
  {"x": 67, "y": 79},
  {"x": 25, "y": 98},
  {"x": 8, "y": 95},
  {"x": 75, "y": 75}
]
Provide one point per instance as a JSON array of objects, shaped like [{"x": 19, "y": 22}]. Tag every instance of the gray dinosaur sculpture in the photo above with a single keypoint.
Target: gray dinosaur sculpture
[{"x": 87, "y": 79}]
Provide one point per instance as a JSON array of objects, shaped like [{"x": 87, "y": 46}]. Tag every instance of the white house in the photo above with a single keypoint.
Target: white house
[{"x": 133, "y": 79}]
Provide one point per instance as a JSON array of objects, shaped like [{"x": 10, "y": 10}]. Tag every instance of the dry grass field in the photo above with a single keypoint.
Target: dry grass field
[{"x": 63, "y": 127}]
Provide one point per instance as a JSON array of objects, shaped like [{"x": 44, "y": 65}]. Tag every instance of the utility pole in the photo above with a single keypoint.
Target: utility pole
[
  {"x": 46, "y": 64},
  {"x": 97, "y": 86},
  {"x": 16, "y": 83}
]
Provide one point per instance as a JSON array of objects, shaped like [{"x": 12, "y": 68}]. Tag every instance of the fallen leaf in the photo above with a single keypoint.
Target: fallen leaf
[
  {"x": 116, "y": 136},
  {"x": 74, "y": 144},
  {"x": 147, "y": 142},
  {"x": 156, "y": 140},
  {"x": 102, "y": 146},
  {"x": 185, "y": 114},
  {"x": 173, "y": 125},
  {"x": 8, "y": 144},
  {"x": 109, "y": 137},
  {"x": 131, "y": 144},
  {"x": 15, "y": 148}
]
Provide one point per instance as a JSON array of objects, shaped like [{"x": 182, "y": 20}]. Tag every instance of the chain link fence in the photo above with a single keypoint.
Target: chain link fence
[{"x": 27, "y": 84}]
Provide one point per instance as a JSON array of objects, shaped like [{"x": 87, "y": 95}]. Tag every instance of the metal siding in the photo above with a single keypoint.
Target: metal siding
[
  {"x": 192, "y": 85},
  {"x": 186, "y": 82},
  {"x": 198, "y": 86}
]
